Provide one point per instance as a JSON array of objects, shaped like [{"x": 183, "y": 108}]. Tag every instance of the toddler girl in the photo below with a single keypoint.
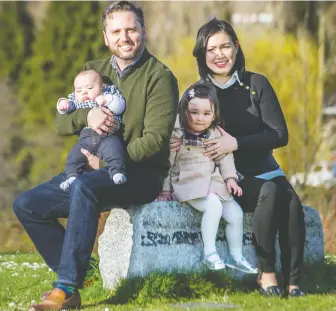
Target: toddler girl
[{"x": 207, "y": 185}]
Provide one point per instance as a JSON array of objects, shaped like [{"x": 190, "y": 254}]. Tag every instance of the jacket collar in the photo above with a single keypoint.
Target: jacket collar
[
  {"x": 181, "y": 133},
  {"x": 136, "y": 60},
  {"x": 235, "y": 77}
]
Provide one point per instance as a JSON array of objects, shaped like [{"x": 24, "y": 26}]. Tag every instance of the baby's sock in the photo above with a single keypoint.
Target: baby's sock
[
  {"x": 119, "y": 178},
  {"x": 66, "y": 184}
]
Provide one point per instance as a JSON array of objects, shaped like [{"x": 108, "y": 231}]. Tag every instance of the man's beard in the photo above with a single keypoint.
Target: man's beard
[{"x": 128, "y": 55}]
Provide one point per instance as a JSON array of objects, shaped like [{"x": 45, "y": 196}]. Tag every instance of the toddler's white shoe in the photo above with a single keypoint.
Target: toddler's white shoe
[
  {"x": 242, "y": 265},
  {"x": 213, "y": 262}
]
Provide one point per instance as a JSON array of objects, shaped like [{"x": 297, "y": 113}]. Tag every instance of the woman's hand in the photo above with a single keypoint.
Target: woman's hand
[
  {"x": 233, "y": 188},
  {"x": 216, "y": 147},
  {"x": 175, "y": 144},
  {"x": 165, "y": 196},
  {"x": 93, "y": 160},
  {"x": 101, "y": 120}
]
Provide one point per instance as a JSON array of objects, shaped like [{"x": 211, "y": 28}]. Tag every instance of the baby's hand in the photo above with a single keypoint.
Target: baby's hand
[
  {"x": 101, "y": 101},
  {"x": 233, "y": 188},
  {"x": 64, "y": 105}
]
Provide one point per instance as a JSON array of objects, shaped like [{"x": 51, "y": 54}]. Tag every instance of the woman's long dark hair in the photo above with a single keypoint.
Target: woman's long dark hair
[
  {"x": 204, "y": 33},
  {"x": 201, "y": 89}
]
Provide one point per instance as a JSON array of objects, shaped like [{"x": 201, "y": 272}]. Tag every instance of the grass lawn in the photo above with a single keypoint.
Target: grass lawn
[{"x": 23, "y": 277}]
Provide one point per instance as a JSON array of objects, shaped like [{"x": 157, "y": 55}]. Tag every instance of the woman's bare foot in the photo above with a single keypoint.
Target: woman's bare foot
[
  {"x": 268, "y": 284},
  {"x": 290, "y": 287},
  {"x": 267, "y": 279}
]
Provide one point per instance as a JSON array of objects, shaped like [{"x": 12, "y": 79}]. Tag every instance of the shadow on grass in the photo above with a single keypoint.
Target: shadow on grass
[
  {"x": 175, "y": 287},
  {"x": 318, "y": 278}
]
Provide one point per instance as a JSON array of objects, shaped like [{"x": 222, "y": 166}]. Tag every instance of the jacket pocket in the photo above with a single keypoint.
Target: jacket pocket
[{"x": 186, "y": 176}]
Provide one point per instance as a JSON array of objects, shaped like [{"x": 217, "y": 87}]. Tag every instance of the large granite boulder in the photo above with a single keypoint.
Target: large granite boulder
[{"x": 165, "y": 237}]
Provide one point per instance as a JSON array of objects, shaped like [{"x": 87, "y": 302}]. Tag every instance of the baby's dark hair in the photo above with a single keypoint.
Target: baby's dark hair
[
  {"x": 93, "y": 73},
  {"x": 201, "y": 89}
]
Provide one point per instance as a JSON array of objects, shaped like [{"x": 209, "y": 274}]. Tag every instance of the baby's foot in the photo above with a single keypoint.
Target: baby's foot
[
  {"x": 66, "y": 184},
  {"x": 119, "y": 178}
]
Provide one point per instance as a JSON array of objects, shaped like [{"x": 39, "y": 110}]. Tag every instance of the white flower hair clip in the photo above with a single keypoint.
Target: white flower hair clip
[{"x": 191, "y": 93}]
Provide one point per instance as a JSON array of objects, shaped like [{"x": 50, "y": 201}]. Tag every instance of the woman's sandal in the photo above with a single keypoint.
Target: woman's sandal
[
  {"x": 296, "y": 292},
  {"x": 270, "y": 291}
]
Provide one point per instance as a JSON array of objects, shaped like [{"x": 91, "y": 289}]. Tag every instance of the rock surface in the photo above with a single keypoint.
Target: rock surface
[{"x": 166, "y": 237}]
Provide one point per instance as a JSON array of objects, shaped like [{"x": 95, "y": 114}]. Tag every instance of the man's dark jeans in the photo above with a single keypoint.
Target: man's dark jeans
[{"x": 67, "y": 252}]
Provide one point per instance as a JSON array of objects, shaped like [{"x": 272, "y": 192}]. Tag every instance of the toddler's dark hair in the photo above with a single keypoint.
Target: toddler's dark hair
[{"x": 201, "y": 89}]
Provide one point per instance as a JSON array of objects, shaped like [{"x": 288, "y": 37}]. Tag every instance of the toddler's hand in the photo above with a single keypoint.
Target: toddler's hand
[
  {"x": 233, "y": 188},
  {"x": 64, "y": 105},
  {"x": 164, "y": 196}
]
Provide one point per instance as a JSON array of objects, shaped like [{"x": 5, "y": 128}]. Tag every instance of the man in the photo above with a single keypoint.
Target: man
[{"x": 151, "y": 95}]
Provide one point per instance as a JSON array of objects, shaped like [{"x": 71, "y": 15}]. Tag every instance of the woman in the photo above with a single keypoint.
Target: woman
[{"x": 254, "y": 126}]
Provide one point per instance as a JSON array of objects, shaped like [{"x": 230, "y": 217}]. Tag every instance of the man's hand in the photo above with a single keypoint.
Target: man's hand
[
  {"x": 101, "y": 120},
  {"x": 164, "y": 196},
  {"x": 93, "y": 160},
  {"x": 175, "y": 144}
]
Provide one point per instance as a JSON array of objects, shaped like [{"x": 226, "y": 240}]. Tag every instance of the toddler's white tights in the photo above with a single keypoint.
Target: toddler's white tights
[{"x": 213, "y": 209}]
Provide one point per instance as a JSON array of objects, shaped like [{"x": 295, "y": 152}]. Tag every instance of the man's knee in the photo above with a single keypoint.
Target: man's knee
[
  {"x": 79, "y": 185},
  {"x": 81, "y": 189},
  {"x": 21, "y": 203}
]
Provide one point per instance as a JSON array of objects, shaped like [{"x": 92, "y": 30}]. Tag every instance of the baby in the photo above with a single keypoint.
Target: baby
[{"x": 90, "y": 92}]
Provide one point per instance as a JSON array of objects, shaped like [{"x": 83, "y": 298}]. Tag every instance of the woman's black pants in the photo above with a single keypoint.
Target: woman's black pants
[{"x": 277, "y": 208}]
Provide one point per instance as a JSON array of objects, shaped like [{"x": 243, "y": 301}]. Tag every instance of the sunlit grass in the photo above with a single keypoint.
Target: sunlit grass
[{"x": 24, "y": 277}]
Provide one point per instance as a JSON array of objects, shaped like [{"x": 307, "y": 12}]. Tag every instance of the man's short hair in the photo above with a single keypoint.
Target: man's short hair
[{"x": 118, "y": 6}]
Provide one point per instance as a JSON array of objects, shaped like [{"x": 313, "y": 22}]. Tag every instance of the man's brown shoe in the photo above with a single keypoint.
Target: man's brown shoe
[
  {"x": 56, "y": 300},
  {"x": 87, "y": 283}
]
